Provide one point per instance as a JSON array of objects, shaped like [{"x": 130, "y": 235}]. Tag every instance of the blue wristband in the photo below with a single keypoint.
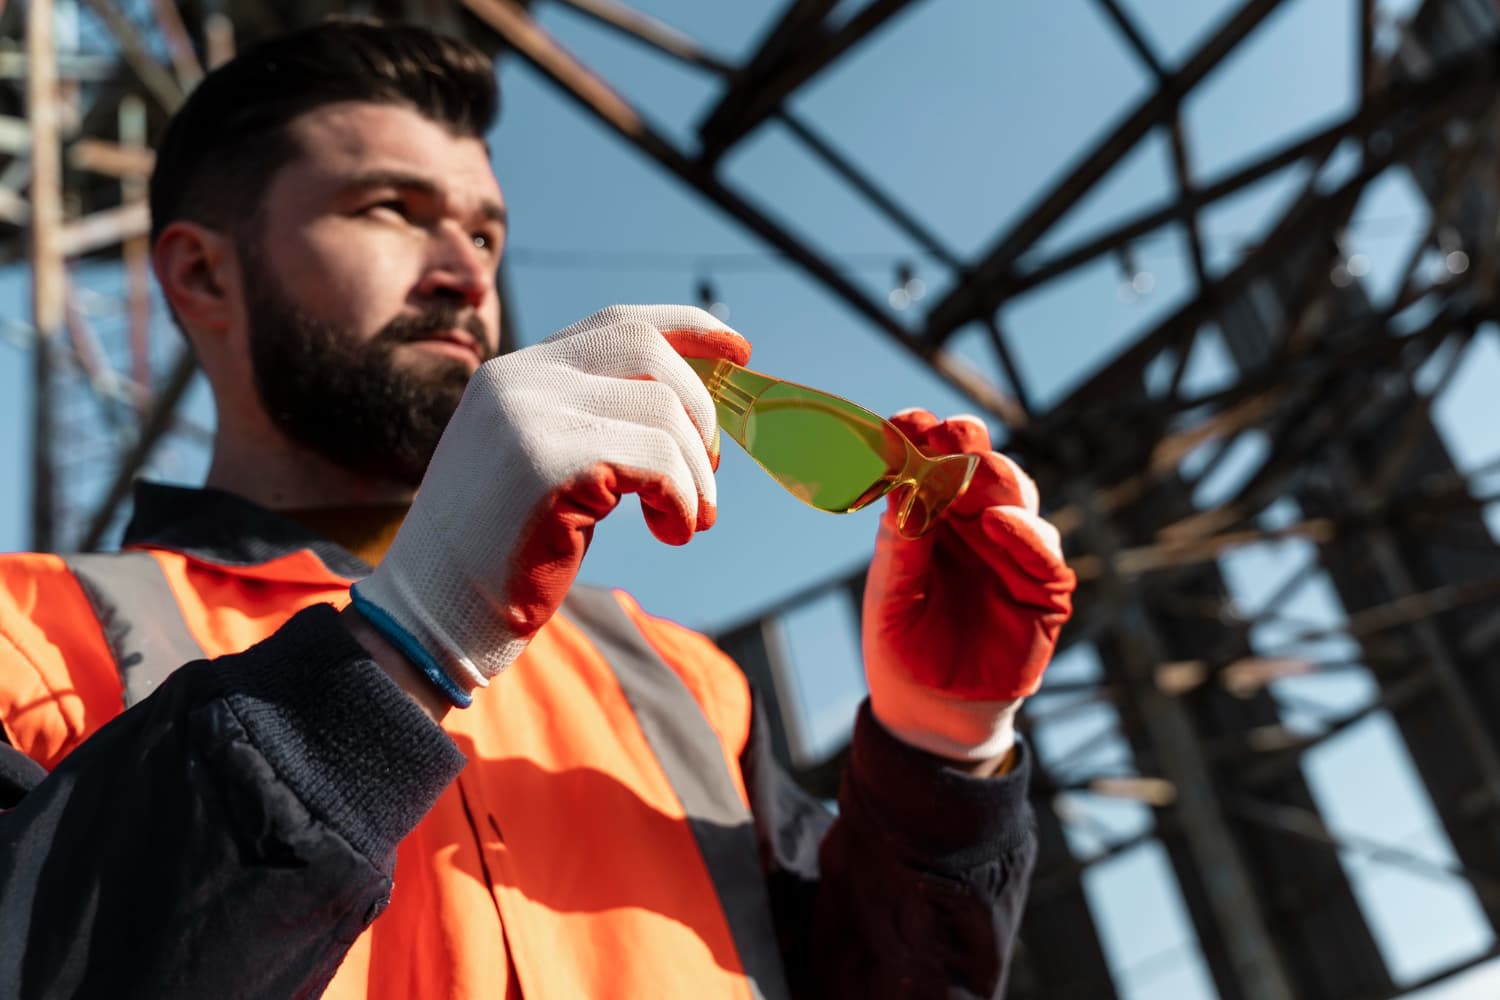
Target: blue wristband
[{"x": 381, "y": 621}]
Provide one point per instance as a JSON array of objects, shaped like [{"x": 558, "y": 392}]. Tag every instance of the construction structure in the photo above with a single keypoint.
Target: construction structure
[{"x": 1340, "y": 389}]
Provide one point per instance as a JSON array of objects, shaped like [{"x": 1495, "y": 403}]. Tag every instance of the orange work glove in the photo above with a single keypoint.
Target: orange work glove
[{"x": 960, "y": 623}]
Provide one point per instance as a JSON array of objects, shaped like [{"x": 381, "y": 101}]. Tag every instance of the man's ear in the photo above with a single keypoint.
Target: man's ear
[{"x": 195, "y": 267}]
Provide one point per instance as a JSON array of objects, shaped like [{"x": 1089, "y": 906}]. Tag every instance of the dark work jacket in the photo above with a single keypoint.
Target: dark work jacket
[{"x": 235, "y": 831}]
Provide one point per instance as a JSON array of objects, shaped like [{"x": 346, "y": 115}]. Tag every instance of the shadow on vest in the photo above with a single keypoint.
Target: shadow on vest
[{"x": 581, "y": 842}]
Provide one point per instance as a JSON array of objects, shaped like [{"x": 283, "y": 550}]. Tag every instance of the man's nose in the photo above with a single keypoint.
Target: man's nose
[{"x": 457, "y": 267}]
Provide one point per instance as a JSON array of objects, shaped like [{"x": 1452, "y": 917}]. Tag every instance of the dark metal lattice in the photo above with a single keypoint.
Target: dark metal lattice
[{"x": 1332, "y": 381}]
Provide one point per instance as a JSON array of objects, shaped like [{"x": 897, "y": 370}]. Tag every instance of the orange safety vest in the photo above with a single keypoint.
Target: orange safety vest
[{"x": 600, "y": 827}]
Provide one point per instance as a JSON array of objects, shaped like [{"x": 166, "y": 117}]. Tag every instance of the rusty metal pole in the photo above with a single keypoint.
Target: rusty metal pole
[
  {"x": 48, "y": 280},
  {"x": 218, "y": 31},
  {"x": 137, "y": 254}
]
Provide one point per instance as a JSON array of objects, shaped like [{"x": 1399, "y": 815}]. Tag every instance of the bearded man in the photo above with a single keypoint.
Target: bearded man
[{"x": 267, "y": 750}]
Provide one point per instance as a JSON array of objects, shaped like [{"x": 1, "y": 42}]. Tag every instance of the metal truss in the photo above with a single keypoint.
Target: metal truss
[{"x": 1340, "y": 389}]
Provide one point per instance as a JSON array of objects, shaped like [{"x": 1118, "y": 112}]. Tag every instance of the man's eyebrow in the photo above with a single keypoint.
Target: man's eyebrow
[
  {"x": 392, "y": 178},
  {"x": 492, "y": 210},
  {"x": 495, "y": 212}
]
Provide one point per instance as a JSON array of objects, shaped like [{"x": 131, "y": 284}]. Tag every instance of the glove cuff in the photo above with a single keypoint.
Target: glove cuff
[
  {"x": 383, "y": 622},
  {"x": 952, "y": 727},
  {"x": 434, "y": 601}
]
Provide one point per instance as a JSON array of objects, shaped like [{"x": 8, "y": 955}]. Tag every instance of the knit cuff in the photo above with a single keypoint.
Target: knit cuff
[
  {"x": 932, "y": 813},
  {"x": 353, "y": 746}
]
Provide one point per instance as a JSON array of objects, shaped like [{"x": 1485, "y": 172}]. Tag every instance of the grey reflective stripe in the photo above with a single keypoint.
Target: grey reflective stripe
[
  {"x": 692, "y": 758},
  {"x": 139, "y": 614}
]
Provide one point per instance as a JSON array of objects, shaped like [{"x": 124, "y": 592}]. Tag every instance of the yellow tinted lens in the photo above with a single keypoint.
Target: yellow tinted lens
[
  {"x": 829, "y": 453},
  {"x": 826, "y": 451}
]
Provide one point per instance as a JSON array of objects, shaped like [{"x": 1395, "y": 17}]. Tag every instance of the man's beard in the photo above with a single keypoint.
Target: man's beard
[{"x": 344, "y": 398}]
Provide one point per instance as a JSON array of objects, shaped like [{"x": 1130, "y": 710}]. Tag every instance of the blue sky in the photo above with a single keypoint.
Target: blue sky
[{"x": 964, "y": 109}]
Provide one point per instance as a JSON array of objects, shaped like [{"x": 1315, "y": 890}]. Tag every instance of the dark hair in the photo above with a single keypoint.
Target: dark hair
[{"x": 222, "y": 147}]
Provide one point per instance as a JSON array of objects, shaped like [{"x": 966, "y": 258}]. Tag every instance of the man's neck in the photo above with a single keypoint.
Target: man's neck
[
  {"x": 280, "y": 475},
  {"x": 365, "y": 530}
]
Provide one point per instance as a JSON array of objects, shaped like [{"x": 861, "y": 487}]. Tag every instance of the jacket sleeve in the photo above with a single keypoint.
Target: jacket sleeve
[
  {"x": 229, "y": 836},
  {"x": 915, "y": 889}
]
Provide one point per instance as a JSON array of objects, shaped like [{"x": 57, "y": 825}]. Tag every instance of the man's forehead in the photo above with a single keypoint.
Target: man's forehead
[{"x": 352, "y": 139}]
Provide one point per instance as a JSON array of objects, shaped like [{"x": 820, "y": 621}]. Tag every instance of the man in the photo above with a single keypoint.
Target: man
[{"x": 232, "y": 770}]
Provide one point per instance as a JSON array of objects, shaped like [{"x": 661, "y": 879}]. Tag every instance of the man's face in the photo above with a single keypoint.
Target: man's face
[{"x": 369, "y": 285}]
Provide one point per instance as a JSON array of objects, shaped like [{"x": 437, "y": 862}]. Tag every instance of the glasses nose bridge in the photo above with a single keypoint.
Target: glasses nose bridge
[
  {"x": 734, "y": 392},
  {"x": 730, "y": 395},
  {"x": 914, "y": 515},
  {"x": 946, "y": 480}
]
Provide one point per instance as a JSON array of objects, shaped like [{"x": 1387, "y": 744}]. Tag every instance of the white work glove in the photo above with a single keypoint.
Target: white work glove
[
  {"x": 545, "y": 443},
  {"x": 960, "y": 623}
]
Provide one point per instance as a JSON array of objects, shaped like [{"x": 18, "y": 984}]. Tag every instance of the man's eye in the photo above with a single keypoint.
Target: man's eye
[
  {"x": 485, "y": 242},
  {"x": 390, "y": 205}
]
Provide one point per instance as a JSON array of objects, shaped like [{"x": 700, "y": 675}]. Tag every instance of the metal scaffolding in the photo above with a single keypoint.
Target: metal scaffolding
[{"x": 1339, "y": 387}]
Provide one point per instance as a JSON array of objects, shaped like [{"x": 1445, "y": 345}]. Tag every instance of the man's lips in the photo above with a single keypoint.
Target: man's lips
[{"x": 457, "y": 342}]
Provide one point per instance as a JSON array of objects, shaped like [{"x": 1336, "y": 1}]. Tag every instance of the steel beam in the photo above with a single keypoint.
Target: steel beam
[
  {"x": 137, "y": 54},
  {"x": 48, "y": 278},
  {"x": 532, "y": 44},
  {"x": 1314, "y": 215},
  {"x": 161, "y": 420},
  {"x": 1218, "y": 887},
  {"x": 799, "y": 47},
  {"x": 977, "y": 294},
  {"x": 650, "y": 32}
]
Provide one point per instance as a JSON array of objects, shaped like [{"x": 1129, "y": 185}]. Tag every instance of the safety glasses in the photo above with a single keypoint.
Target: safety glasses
[{"x": 828, "y": 452}]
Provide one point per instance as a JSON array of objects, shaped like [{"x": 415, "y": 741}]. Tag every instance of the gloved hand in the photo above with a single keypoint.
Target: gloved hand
[
  {"x": 545, "y": 443},
  {"x": 960, "y": 623}
]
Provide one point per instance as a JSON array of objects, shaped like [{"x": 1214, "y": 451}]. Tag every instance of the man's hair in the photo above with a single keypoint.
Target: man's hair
[{"x": 229, "y": 138}]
